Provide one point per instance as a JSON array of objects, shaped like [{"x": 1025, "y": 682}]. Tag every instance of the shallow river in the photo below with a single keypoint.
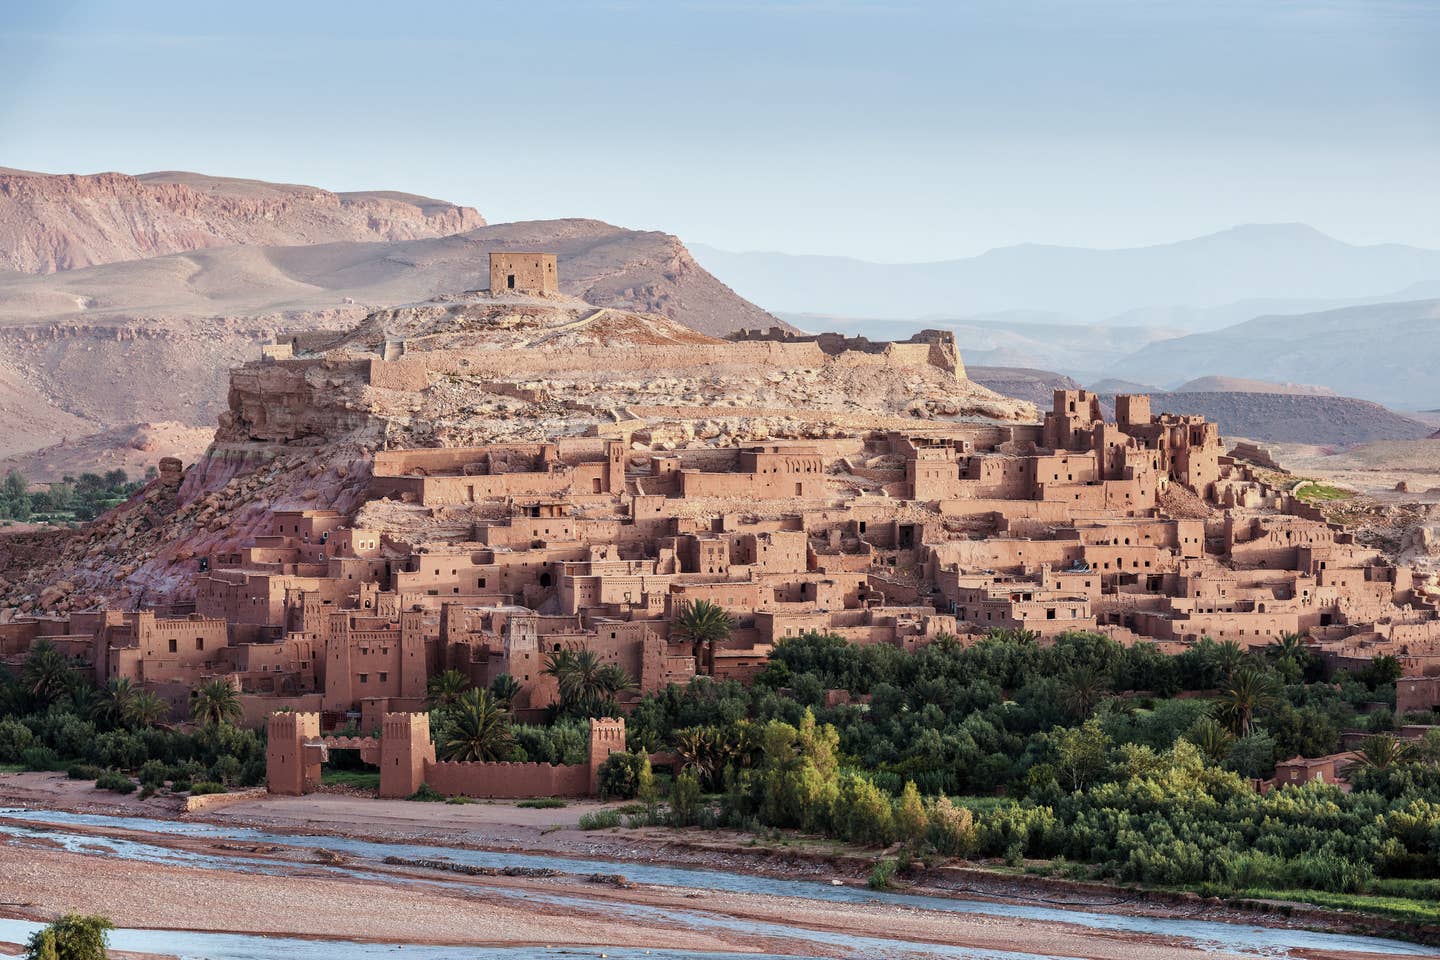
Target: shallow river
[{"x": 1235, "y": 938}]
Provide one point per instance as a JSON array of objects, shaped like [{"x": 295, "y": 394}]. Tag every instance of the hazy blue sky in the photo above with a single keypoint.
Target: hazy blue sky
[{"x": 888, "y": 130}]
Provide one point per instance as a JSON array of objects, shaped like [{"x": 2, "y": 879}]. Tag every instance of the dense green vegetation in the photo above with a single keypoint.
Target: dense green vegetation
[
  {"x": 53, "y": 718},
  {"x": 74, "y": 498},
  {"x": 1082, "y": 757},
  {"x": 71, "y": 937},
  {"x": 1122, "y": 763}
]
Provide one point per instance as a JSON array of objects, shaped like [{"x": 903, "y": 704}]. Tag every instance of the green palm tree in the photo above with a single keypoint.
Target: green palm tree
[
  {"x": 478, "y": 730},
  {"x": 446, "y": 687},
  {"x": 1290, "y": 646},
  {"x": 1381, "y": 751},
  {"x": 1082, "y": 691},
  {"x": 145, "y": 709},
  {"x": 587, "y": 686},
  {"x": 110, "y": 710},
  {"x": 1229, "y": 657},
  {"x": 1212, "y": 739},
  {"x": 1246, "y": 693},
  {"x": 215, "y": 701},
  {"x": 705, "y": 624},
  {"x": 47, "y": 675},
  {"x": 504, "y": 689}
]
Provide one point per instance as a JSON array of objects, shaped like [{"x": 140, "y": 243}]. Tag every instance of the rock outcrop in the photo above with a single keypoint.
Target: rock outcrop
[{"x": 153, "y": 340}]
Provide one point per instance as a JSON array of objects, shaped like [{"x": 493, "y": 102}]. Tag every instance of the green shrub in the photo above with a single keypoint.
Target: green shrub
[
  {"x": 15, "y": 739},
  {"x": 84, "y": 771},
  {"x": 180, "y": 786},
  {"x": 621, "y": 775},
  {"x": 41, "y": 758},
  {"x": 116, "y": 782},
  {"x": 600, "y": 819},
  {"x": 205, "y": 787},
  {"x": 685, "y": 800},
  {"x": 154, "y": 773},
  {"x": 882, "y": 875},
  {"x": 458, "y": 800},
  {"x": 426, "y": 794},
  {"x": 542, "y": 803},
  {"x": 72, "y": 937}
]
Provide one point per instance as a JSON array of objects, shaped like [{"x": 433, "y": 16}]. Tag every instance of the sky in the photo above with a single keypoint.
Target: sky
[{"x": 892, "y": 130}]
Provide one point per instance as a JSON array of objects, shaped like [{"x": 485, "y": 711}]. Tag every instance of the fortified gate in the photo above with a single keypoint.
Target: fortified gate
[{"x": 406, "y": 758}]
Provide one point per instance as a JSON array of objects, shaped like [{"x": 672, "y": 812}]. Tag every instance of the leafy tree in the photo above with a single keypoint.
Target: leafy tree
[
  {"x": 215, "y": 702},
  {"x": 446, "y": 687},
  {"x": 15, "y": 739},
  {"x": 1080, "y": 754},
  {"x": 911, "y": 821},
  {"x": 620, "y": 775},
  {"x": 72, "y": 937},
  {"x": 1253, "y": 756},
  {"x": 1380, "y": 671},
  {"x": 15, "y": 487},
  {"x": 685, "y": 800},
  {"x": 477, "y": 729},
  {"x": 952, "y": 828}
]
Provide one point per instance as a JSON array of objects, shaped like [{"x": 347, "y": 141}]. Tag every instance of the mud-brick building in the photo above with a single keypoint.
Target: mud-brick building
[{"x": 526, "y": 273}]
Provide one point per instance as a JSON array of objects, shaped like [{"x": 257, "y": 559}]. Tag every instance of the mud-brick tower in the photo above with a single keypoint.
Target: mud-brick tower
[
  {"x": 528, "y": 273},
  {"x": 405, "y": 749},
  {"x": 292, "y": 762},
  {"x": 607, "y": 736}
]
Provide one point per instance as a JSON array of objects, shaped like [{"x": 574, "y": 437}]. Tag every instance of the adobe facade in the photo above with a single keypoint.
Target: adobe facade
[{"x": 1141, "y": 528}]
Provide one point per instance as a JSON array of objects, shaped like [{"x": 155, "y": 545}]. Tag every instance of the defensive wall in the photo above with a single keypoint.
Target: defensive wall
[
  {"x": 411, "y": 372},
  {"x": 296, "y": 752}
]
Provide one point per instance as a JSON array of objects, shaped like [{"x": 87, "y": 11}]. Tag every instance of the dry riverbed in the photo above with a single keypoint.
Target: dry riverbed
[{"x": 303, "y": 896}]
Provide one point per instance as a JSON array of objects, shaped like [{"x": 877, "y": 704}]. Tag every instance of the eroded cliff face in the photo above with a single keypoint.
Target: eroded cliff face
[{"x": 61, "y": 222}]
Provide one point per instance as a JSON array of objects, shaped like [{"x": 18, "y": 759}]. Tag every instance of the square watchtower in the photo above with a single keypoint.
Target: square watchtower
[{"x": 529, "y": 273}]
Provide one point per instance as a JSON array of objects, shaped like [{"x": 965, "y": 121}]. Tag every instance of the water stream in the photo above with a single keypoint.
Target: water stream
[{"x": 1256, "y": 941}]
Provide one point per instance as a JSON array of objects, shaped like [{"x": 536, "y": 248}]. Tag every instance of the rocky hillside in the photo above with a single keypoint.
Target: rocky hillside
[
  {"x": 1294, "y": 418},
  {"x": 61, "y": 222},
  {"x": 134, "y": 448},
  {"x": 1276, "y": 417},
  {"x": 300, "y": 426},
  {"x": 1036, "y": 386},
  {"x": 1241, "y": 385},
  {"x": 152, "y": 340}
]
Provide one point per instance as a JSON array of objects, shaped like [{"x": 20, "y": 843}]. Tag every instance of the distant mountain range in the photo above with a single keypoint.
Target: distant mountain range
[
  {"x": 1280, "y": 303},
  {"x": 1201, "y": 284},
  {"x": 1386, "y": 352}
]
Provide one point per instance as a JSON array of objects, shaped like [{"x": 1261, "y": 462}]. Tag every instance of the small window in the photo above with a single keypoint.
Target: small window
[
  {"x": 173, "y": 645},
  {"x": 384, "y": 676},
  {"x": 199, "y": 643},
  {"x": 364, "y": 678}
]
